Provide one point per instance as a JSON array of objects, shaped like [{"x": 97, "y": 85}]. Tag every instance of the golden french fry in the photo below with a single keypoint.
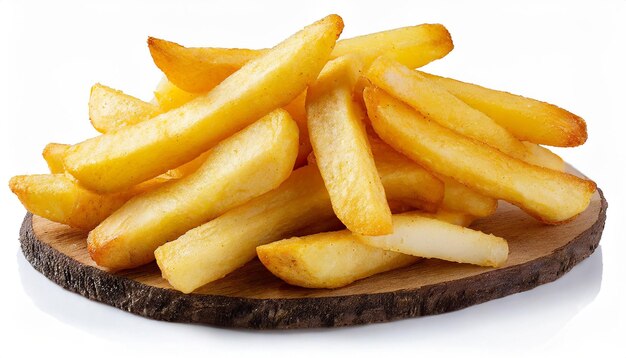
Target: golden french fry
[
  {"x": 331, "y": 260},
  {"x": 215, "y": 249},
  {"x": 248, "y": 164},
  {"x": 328, "y": 260},
  {"x": 544, "y": 157},
  {"x": 342, "y": 150},
  {"x": 59, "y": 197},
  {"x": 436, "y": 103},
  {"x": 458, "y": 197},
  {"x": 417, "y": 235},
  {"x": 527, "y": 119},
  {"x": 200, "y": 69},
  {"x": 110, "y": 109},
  {"x": 168, "y": 96},
  {"x": 548, "y": 195},
  {"x": 53, "y": 154},
  {"x": 118, "y": 160},
  {"x": 413, "y": 46},
  {"x": 404, "y": 180}
]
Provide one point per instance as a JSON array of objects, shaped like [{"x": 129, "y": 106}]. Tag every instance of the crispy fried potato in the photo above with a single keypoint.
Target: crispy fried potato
[
  {"x": 297, "y": 109},
  {"x": 246, "y": 165},
  {"x": 328, "y": 260},
  {"x": 436, "y": 103},
  {"x": 342, "y": 150},
  {"x": 200, "y": 69},
  {"x": 168, "y": 96},
  {"x": 421, "y": 236},
  {"x": 548, "y": 195},
  {"x": 458, "y": 197},
  {"x": 331, "y": 260},
  {"x": 413, "y": 46},
  {"x": 59, "y": 197},
  {"x": 404, "y": 180},
  {"x": 217, "y": 248},
  {"x": 53, "y": 154},
  {"x": 527, "y": 119},
  {"x": 110, "y": 109},
  {"x": 118, "y": 160},
  {"x": 452, "y": 217}
]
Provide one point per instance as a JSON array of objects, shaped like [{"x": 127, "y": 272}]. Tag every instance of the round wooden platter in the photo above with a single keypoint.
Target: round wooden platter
[{"x": 252, "y": 298}]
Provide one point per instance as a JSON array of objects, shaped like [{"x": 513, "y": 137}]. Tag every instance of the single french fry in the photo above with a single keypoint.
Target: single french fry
[
  {"x": 458, "y": 197},
  {"x": 417, "y": 235},
  {"x": 548, "y": 195},
  {"x": 436, "y": 103},
  {"x": 53, "y": 154},
  {"x": 342, "y": 150},
  {"x": 217, "y": 248},
  {"x": 413, "y": 46},
  {"x": 527, "y": 119},
  {"x": 330, "y": 260},
  {"x": 110, "y": 109},
  {"x": 404, "y": 180},
  {"x": 200, "y": 69},
  {"x": 118, "y": 160},
  {"x": 450, "y": 216},
  {"x": 168, "y": 96},
  {"x": 59, "y": 197},
  {"x": 248, "y": 164}
]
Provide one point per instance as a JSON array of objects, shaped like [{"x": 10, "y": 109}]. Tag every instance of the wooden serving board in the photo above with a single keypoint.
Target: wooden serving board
[{"x": 252, "y": 298}]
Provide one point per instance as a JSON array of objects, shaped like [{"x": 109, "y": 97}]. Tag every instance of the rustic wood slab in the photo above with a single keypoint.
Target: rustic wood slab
[{"x": 252, "y": 298}]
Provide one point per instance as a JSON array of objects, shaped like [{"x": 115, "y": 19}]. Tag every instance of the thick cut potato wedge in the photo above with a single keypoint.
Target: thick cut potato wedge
[
  {"x": 118, "y": 160},
  {"x": 217, "y": 248},
  {"x": 110, "y": 109},
  {"x": 328, "y": 260},
  {"x": 333, "y": 259},
  {"x": 59, "y": 197},
  {"x": 436, "y": 103},
  {"x": 342, "y": 150},
  {"x": 168, "y": 96},
  {"x": 548, "y": 195},
  {"x": 421, "y": 236},
  {"x": 527, "y": 119},
  {"x": 248, "y": 164},
  {"x": 200, "y": 69},
  {"x": 53, "y": 154},
  {"x": 404, "y": 180},
  {"x": 458, "y": 197}
]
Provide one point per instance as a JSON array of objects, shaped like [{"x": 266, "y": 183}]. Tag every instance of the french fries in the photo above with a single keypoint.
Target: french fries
[
  {"x": 200, "y": 69},
  {"x": 328, "y": 260},
  {"x": 342, "y": 150},
  {"x": 421, "y": 236},
  {"x": 118, "y": 160},
  {"x": 458, "y": 197},
  {"x": 548, "y": 195},
  {"x": 110, "y": 109},
  {"x": 217, "y": 248},
  {"x": 406, "y": 181},
  {"x": 248, "y": 164},
  {"x": 332, "y": 259},
  {"x": 436, "y": 103},
  {"x": 213, "y": 172},
  {"x": 527, "y": 119},
  {"x": 59, "y": 197}
]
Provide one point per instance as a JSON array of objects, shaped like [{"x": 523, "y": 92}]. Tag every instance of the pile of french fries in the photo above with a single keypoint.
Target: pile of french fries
[{"x": 329, "y": 160}]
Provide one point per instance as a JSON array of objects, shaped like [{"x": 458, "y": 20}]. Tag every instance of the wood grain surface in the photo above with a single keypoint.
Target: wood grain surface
[{"x": 252, "y": 298}]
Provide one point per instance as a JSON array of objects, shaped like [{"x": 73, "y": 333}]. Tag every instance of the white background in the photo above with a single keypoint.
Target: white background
[{"x": 567, "y": 53}]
